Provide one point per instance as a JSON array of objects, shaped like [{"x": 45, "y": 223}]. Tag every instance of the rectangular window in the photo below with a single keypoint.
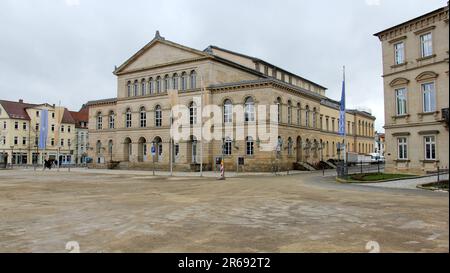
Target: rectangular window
[
  {"x": 37, "y": 113},
  {"x": 37, "y": 127},
  {"x": 68, "y": 129},
  {"x": 400, "y": 95},
  {"x": 99, "y": 122},
  {"x": 426, "y": 45},
  {"x": 250, "y": 147},
  {"x": 227, "y": 147},
  {"x": 177, "y": 149},
  {"x": 52, "y": 142},
  {"x": 4, "y": 125},
  {"x": 62, "y": 128},
  {"x": 68, "y": 142},
  {"x": 399, "y": 53},
  {"x": 24, "y": 125},
  {"x": 16, "y": 140},
  {"x": 24, "y": 141},
  {"x": 16, "y": 125},
  {"x": 62, "y": 141},
  {"x": 429, "y": 100},
  {"x": 402, "y": 148},
  {"x": 228, "y": 113},
  {"x": 53, "y": 127},
  {"x": 430, "y": 147},
  {"x": 111, "y": 121}
]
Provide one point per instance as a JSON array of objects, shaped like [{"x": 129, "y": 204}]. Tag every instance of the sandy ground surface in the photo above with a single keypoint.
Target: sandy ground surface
[{"x": 137, "y": 212}]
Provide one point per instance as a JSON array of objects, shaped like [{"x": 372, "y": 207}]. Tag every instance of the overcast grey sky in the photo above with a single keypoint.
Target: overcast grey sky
[{"x": 53, "y": 50}]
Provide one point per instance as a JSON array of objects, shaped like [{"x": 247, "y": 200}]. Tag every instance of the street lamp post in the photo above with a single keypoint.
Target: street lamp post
[
  {"x": 70, "y": 156},
  {"x": 12, "y": 156},
  {"x": 36, "y": 161},
  {"x": 58, "y": 157},
  {"x": 153, "y": 151}
]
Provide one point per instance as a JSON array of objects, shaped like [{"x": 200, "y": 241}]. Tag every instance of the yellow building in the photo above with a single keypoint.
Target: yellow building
[
  {"x": 19, "y": 133},
  {"x": 416, "y": 89},
  {"x": 126, "y": 127}
]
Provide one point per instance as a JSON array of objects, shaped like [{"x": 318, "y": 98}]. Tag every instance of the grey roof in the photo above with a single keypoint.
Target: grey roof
[
  {"x": 208, "y": 50},
  {"x": 93, "y": 102}
]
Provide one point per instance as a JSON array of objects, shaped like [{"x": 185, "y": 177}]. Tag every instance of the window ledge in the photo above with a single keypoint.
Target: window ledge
[
  {"x": 402, "y": 160},
  {"x": 426, "y": 58},
  {"x": 399, "y": 65},
  {"x": 401, "y": 116},
  {"x": 429, "y": 161},
  {"x": 428, "y": 113}
]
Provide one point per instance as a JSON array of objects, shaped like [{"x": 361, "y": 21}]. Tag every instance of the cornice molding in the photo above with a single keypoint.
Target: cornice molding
[{"x": 414, "y": 25}]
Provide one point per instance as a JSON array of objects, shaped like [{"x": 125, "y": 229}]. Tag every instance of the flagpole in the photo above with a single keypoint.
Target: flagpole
[
  {"x": 345, "y": 131},
  {"x": 201, "y": 127}
]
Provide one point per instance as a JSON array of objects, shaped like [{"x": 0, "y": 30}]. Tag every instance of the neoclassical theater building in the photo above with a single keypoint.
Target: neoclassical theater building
[{"x": 124, "y": 129}]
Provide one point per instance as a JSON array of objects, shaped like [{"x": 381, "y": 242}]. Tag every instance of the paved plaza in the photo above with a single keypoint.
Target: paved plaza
[{"x": 125, "y": 211}]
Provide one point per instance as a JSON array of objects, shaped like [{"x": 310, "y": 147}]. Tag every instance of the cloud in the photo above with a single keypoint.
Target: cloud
[
  {"x": 72, "y": 3},
  {"x": 70, "y": 56},
  {"x": 373, "y": 2}
]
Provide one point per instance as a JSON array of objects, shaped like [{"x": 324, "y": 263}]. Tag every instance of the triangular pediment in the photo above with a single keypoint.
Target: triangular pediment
[{"x": 159, "y": 52}]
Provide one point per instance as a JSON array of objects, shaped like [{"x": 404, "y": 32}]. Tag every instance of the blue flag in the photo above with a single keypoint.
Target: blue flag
[
  {"x": 342, "y": 110},
  {"x": 43, "y": 129}
]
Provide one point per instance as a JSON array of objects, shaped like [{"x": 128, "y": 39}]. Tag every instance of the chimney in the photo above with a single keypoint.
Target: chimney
[{"x": 20, "y": 100}]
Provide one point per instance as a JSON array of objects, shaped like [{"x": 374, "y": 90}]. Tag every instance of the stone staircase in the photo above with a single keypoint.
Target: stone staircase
[
  {"x": 332, "y": 166},
  {"x": 303, "y": 166}
]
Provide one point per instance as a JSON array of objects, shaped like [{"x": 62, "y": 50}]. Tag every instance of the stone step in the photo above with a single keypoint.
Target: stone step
[{"x": 306, "y": 166}]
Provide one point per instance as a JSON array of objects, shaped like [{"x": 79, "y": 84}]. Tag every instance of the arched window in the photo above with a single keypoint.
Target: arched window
[
  {"x": 193, "y": 113},
  {"x": 135, "y": 88},
  {"x": 279, "y": 109},
  {"x": 129, "y": 89},
  {"x": 98, "y": 147},
  {"x": 183, "y": 81},
  {"x": 299, "y": 114},
  {"x": 314, "y": 118},
  {"x": 227, "y": 111},
  {"x": 166, "y": 83},
  {"x": 279, "y": 148},
  {"x": 307, "y": 115},
  {"x": 99, "y": 121},
  {"x": 110, "y": 147},
  {"x": 175, "y": 81},
  {"x": 143, "y": 117},
  {"x": 249, "y": 146},
  {"x": 158, "y": 84},
  {"x": 227, "y": 147},
  {"x": 249, "y": 109},
  {"x": 290, "y": 146},
  {"x": 111, "y": 120},
  {"x": 193, "y": 80},
  {"x": 158, "y": 116},
  {"x": 128, "y": 118},
  {"x": 289, "y": 112},
  {"x": 143, "y": 88},
  {"x": 151, "y": 87}
]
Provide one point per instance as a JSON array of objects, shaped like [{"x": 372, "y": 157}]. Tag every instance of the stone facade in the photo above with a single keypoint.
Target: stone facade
[
  {"x": 118, "y": 132},
  {"x": 416, "y": 93}
]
